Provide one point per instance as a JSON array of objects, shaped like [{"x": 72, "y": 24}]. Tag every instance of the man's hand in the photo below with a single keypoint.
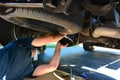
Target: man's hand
[{"x": 60, "y": 46}]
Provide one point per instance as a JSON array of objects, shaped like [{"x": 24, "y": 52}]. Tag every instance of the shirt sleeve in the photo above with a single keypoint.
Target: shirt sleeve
[{"x": 26, "y": 42}]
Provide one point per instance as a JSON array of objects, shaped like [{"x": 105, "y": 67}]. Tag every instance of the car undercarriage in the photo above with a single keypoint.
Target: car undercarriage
[{"x": 91, "y": 22}]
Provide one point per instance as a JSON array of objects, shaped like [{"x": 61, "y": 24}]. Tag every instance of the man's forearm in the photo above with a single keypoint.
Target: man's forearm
[
  {"x": 52, "y": 66},
  {"x": 56, "y": 57},
  {"x": 46, "y": 40}
]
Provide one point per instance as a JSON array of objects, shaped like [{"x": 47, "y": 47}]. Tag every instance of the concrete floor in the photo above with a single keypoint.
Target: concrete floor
[
  {"x": 101, "y": 64},
  {"x": 56, "y": 75}
]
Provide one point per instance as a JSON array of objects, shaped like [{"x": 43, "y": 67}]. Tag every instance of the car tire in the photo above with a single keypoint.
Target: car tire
[
  {"x": 88, "y": 46},
  {"x": 40, "y": 19}
]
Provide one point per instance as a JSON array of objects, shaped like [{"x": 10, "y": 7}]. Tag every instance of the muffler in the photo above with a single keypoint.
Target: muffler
[{"x": 106, "y": 32}]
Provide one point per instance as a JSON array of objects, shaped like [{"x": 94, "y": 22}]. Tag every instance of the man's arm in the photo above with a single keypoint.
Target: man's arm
[
  {"x": 52, "y": 66},
  {"x": 40, "y": 41}
]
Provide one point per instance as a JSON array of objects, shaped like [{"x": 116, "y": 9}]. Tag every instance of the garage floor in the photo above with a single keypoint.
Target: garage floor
[
  {"x": 101, "y": 64},
  {"x": 57, "y": 75}
]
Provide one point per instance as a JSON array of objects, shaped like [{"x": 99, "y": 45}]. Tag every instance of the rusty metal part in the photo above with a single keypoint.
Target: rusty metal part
[
  {"x": 59, "y": 7},
  {"x": 98, "y": 10},
  {"x": 62, "y": 6},
  {"x": 106, "y": 32},
  {"x": 86, "y": 28}
]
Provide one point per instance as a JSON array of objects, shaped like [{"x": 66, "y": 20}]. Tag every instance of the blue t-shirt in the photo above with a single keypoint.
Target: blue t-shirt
[{"x": 15, "y": 59}]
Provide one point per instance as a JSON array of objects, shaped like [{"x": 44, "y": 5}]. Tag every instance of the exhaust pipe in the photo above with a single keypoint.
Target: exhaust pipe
[{"x": 106, "y": 32}]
